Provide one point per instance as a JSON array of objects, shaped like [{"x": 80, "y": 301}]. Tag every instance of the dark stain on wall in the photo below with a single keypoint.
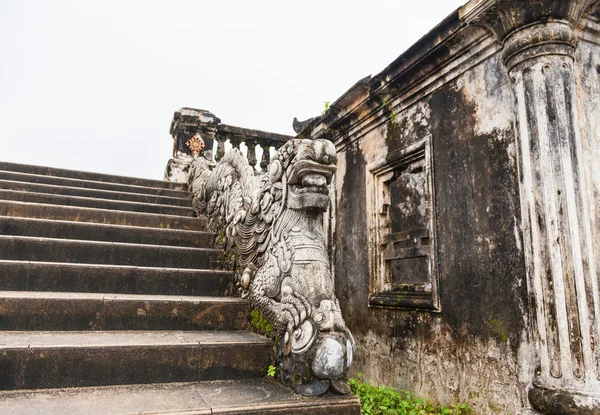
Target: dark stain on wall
[
  {"x": 481, "y": 268},
  {"x": 352, "y": 270}
]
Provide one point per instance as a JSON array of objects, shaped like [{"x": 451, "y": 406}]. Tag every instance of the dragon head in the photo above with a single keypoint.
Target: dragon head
[{"x": 305, "y": 168}]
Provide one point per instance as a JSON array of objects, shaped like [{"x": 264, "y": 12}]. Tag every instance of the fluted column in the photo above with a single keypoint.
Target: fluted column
[{"x": 562, "y": 270}]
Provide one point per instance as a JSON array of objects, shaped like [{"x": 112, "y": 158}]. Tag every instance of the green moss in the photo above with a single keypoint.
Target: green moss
[
  {"x": 498, "y": 327},
  {"x": 393, "y": 127},
  {"x": 308, "y": 374},
  {"x": 260, "y": 324},
  {"x": 400, "y": 297},
  {"x": 229, "y": 257},
  {"x": 381, "y": 400}
]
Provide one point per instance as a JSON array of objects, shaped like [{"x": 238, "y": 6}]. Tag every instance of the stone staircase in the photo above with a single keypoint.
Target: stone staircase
[{"x": 111, "y": 302}]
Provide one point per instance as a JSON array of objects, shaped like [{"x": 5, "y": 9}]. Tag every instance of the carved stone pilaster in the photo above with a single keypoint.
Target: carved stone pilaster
[
  {"x": 503, "y": 17},
  {"x": 561, "y": 267},
  {"x": 539, "y": 45},
  {"x": 537, "y": 40},
  {"x": 193, "y": 133}
]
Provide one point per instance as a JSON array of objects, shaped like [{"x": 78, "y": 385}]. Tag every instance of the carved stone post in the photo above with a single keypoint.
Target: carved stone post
[
  {"x": 220, "y": 149},
  {"x": 539, "y": 45},
  {"x": 236, "y": 141},
  {"x": 193, "y": 133},
  {"x": 266, "y": 157},
  {"x": 251, "y": 155}
]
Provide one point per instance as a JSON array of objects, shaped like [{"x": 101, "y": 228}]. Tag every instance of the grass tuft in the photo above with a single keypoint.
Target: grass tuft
[{"x": 381, "y": 400}]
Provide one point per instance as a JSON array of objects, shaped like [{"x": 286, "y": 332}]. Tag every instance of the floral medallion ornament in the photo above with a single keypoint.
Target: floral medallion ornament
[{"x": 196, "y": 144}]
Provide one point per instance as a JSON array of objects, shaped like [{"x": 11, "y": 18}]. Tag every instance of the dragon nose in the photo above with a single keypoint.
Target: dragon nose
[{"x": 325, "y": 151}]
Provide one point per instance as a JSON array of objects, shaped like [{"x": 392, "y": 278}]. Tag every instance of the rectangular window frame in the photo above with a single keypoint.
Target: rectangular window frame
[{"x": 417, "y": 296}]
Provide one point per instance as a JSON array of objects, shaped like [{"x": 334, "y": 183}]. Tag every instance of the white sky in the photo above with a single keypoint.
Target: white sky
[{"x": 92, "y": 85}]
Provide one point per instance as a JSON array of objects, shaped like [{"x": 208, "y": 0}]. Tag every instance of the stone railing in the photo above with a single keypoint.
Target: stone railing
[
  {"x": 252, "y": 139},
  {"x": 199, "y": 132},
  {"x": 271, "y": 216}
]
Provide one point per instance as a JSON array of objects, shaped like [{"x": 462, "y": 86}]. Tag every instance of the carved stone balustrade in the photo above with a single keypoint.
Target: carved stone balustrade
[
  {"x": 198, "y": 132},
  {"x": 251, "y": 138}
]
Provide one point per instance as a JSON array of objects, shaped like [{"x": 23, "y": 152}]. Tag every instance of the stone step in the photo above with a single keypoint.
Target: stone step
[
  {"x": 244, "y": 396},
  {"x": 63, "y": 277},
  {"x": 103, "y": 232},
  {"x": 90, "y": 184},
  {"x": 97, "y": 215},
  {"x": 117, "y": 253},
  {"x": 83, "y": 175},
  {"x": 92, "y": 202},
  {"x": 95, "y": 193},
  {"x": 27, "y": 310},
  {"x": 36, "y": 360}
]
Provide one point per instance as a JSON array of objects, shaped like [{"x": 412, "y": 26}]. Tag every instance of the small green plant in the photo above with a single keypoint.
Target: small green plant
[
  {"x": 271, "y": 371},
  {"x": 326, "y": 106},
  {"x": 231, "y": 257},
  {"x": 387, "y": 104},
  {"x": 381, "y": 400}
]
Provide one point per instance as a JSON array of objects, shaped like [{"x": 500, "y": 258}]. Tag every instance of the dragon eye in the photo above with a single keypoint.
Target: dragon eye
[{"x": 275, "y": 171}]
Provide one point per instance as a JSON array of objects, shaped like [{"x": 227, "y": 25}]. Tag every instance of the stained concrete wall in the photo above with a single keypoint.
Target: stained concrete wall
[
  {"x": 470, "y": 350},
  {"x": 453, "y": 89}
]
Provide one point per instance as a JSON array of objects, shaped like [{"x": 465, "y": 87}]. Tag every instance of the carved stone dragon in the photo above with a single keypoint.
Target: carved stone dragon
[{"x": 276, "y": 223}]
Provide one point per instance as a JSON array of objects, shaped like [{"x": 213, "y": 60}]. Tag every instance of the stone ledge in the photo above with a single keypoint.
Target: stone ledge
[{"x": 252, "y": 396}]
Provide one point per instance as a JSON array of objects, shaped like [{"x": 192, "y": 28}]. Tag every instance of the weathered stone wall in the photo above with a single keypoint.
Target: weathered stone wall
[
  {"x": 470, "y": 350},
  {"x": 465, "y": 329}
]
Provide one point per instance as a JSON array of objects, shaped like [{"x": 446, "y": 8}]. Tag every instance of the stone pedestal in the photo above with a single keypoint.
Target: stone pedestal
[
  {"x": 561, "y": 267},
  {"x": 193, "y": 133}
]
